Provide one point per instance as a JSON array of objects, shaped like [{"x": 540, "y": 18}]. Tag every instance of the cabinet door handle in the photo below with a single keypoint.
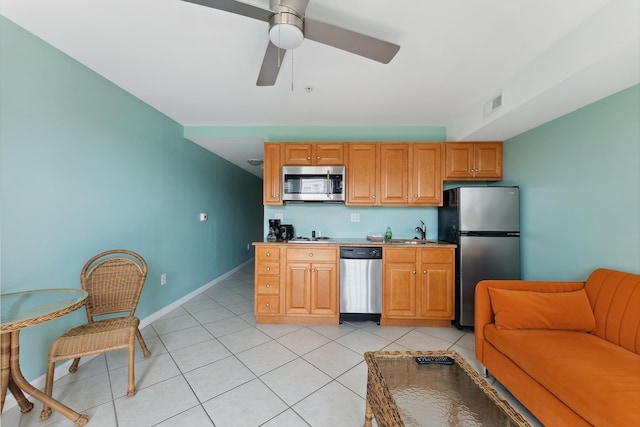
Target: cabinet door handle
[
  {"x": 406, "y": 196},
  {"x": 424, "y": 271},
  {"x": 313, "y": 269},
  {"x": 373, "y": 197},
  {"x": 308, "y": 157},
  {"x": 318, "y": 157},
  {"x": 413, "y": 272},
  {"x": 415, "y": 196},
  {"x": 308, "y": 270}
]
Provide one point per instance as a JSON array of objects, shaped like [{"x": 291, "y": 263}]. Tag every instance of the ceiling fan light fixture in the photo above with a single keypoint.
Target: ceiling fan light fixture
[
  {"x": 255, "y": 162},
  {"x": 285, "y": 30}
]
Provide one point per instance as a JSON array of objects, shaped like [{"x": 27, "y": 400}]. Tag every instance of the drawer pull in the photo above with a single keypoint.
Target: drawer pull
[
  {"x": 267, "y": 305},
  {"x": 310, "y": 253},
  {"x": 268, "y": 254},
  {"x": 268, "y": 268},
  {"x": 268, "y": 285}
]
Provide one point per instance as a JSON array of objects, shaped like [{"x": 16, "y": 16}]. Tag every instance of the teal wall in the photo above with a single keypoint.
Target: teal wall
[
  {"x": 580, "y": 181},
  {"x": 334, "y": 220},
  {"x": 86, "y": 167}
]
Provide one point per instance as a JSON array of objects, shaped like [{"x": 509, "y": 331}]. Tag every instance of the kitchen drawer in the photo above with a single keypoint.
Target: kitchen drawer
[
  {"x": 399, "y": 255},
  {"x": 267, "y": 284},
  {"x": 268, "y": 253},
  {"x": 268, "y": 267},
  {"x": 435, "y": 255},
  {"x": 267, "y": 304},
  {"x": 312, "y": 254}
]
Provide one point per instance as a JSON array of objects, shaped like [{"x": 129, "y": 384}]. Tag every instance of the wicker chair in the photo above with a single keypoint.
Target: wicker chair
[{"x": 114, "y": 281}]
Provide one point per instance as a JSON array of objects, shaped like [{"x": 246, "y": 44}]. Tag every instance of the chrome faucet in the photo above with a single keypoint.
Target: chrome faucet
[{"x": 422, "y": 229}]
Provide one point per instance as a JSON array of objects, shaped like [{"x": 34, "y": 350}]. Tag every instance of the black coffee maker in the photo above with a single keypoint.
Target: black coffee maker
[
  {"x": 286, "y": 232},
  {"x": 275, "y": 231}
]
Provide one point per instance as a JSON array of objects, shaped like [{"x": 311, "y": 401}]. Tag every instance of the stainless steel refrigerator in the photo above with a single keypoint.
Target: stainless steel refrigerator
[{"x": 485, "y": 224}]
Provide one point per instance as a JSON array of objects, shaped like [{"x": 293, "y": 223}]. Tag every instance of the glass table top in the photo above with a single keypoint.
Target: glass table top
[
  {"x": 438, "y": 395},
  {"x": 37, "y": 306}
]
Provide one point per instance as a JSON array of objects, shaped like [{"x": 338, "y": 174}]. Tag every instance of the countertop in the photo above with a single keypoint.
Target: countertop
[{"x": 353, "y": 241}]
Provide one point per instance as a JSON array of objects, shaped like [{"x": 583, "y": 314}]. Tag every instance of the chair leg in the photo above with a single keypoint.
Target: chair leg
[
  {"x": 74, "y": 365},
  {"x": 145, "y": 350},
  {"x": 48, "y": 390},
  {"x": 131, "y": 376}
]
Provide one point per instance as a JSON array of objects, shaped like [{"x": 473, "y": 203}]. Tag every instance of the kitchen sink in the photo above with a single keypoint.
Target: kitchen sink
[{"x": 409, "y": 241}]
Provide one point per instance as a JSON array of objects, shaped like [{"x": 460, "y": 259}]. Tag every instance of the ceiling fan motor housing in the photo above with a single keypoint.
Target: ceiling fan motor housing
[
  {"x": 285, "y": 27},
  {"x": 285, "y": 30}
]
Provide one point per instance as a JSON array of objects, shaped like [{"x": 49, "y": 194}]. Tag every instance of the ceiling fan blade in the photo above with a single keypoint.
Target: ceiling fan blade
[
  {"x": 237, "y": 8},
  {"x": 299, "y": 6},
  {"x": 369, "y": 47},
  {"x": 270, "y": 65}
]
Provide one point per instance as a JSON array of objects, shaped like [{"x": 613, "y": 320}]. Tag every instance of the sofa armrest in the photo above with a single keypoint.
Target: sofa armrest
[{"x": 484, "y": 311}]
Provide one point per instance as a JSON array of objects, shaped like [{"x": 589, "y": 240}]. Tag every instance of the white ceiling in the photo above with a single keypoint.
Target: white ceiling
[{"x": 199, "y": 65}]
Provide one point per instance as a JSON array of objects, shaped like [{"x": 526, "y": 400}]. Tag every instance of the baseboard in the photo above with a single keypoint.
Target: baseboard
[{"x": 63, "y": 369}]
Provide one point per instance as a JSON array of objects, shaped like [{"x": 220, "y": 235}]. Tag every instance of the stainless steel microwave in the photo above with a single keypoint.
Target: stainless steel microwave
[{"x": 313, "y": 183}]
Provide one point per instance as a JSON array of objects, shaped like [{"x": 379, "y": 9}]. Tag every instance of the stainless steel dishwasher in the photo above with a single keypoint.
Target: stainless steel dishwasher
[{"x": 360, "y": 283}]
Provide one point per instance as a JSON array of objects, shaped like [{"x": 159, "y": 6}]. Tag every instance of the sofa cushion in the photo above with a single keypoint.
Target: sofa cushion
[
  {"x": 615, "y": 298},
  {"x": 542, "y": 310},
  {"x": 599, "y": 380}
]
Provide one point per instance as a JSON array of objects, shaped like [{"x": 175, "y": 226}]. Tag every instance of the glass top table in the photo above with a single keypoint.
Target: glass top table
[
  {"x": 21, "y": 310},
  {"x": 400, "y": 392}
]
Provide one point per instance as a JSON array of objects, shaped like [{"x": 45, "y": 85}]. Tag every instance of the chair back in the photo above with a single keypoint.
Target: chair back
[{"x": 113, "y": 280}]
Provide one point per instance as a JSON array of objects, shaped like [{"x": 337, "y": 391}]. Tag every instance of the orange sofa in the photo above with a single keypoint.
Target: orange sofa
[{"x": 568, "y": 351}]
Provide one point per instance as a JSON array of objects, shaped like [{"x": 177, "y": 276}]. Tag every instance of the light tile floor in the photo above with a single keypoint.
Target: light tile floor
[{"x": 211, "y": 365}]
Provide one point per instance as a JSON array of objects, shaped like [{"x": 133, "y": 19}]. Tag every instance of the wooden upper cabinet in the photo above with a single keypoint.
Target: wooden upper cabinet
[
  {"x": 362, "y": 173},
  {"x": 272, "y": 175},
  {"x": 394, "y": 174},
  {"x": 426, "y": 174},
  {"x": 313, "y": 153},
  {"x": 469, "y": 161}
]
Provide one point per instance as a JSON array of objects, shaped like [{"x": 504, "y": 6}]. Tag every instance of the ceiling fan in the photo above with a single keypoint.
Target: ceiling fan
[{"x": 288, "y": 27}]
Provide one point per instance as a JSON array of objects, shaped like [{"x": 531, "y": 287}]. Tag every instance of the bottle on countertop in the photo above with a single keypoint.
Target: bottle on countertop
[{"x": 388, "y": 234}]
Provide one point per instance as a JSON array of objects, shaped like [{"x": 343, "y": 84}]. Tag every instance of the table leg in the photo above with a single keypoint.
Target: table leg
[
  {"x": 367, "y": 414},
  {"x": 19, "y": 382},
  {"x": 7, "y": 381}
]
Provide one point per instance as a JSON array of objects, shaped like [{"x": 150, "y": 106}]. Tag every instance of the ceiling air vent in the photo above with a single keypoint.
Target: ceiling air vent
[{"x": 493, "y": 105}]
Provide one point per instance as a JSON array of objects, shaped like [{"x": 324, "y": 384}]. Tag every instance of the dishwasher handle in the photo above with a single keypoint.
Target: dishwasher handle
[{"x": 360, "y": 252}]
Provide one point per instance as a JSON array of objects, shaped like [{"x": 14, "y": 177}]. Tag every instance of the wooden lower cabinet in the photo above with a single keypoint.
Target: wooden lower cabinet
[
  {"x": 299, "y": 284},
  {"x": 307, "y": 285},
  {"x": 417, "y": 286},
  {"x": 267, "y": 281}
]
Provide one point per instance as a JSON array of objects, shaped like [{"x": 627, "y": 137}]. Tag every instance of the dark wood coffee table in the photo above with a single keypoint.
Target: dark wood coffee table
[{"x": 401, "y": 392}]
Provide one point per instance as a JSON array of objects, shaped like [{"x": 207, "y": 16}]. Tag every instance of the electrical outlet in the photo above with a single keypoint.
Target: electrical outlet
[
  {"x": 278, "y": 216},
  {"x": 163, "y": 279},
  {"x": 355, "y": 217},
  {"x": 248, "y": 246}
]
